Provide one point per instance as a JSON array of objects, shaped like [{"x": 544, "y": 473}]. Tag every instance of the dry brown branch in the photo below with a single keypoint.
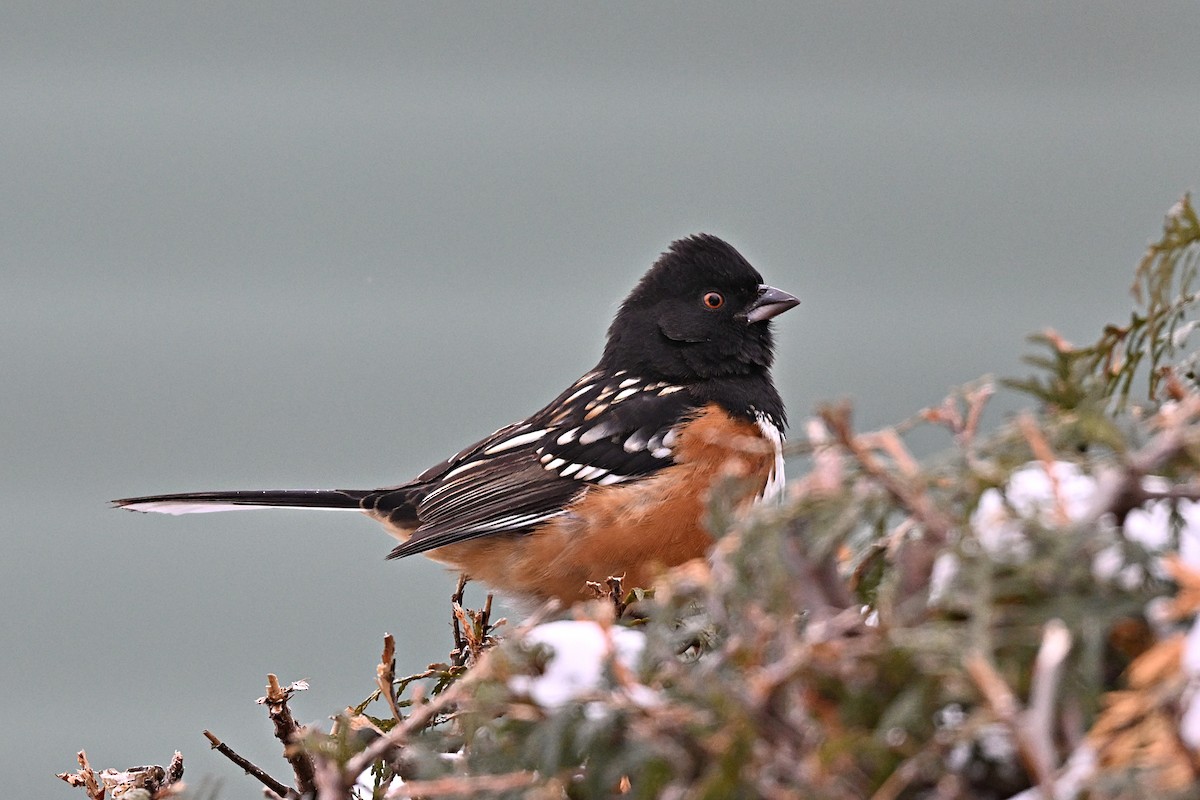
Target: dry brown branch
[
  {"x": 947, "y": 414},
  {"x": 1004, "y": 704},
  {"x": 456, "y": 601},
  {"x": 1038, "y": 720},
  {"x": 1038, "y": 445},
  {"x": 464, "y": 653},
  {"x": 887, "y": 441},
  {"x": 915, "y": 559},
  {"x": 175, "y": 768},
  {"x": 160, "y": 782},
  {"x": 961, "y": 413},
  {"x": 1073, "y": 778},
  {"x": 1174, "y": 387},
  {"x": 472, "y": 628},
  {"x": 85, "y": 777},
  {"x": 331, "y": 784},
  {"x": 828, "y": 468},
  {"x": 821, "y": 588},
  {"x": 385, "y": 675},
  {"x": 912, "y": 497},
  {"x": 1120, "y": 490},
  {"x": 288, "y": 731},
  {"x": 977, "y": 400},
  {"x": 465, "y": 785},
  {"x": 334, "y": 782},
  {"x": 251, "y": 769},
  {"x": 902, "y": 777},
  {"x": 611, "y": 590}
]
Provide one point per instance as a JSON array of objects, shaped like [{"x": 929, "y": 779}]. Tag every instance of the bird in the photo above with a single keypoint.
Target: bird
[{"x": 614, "y": 476}]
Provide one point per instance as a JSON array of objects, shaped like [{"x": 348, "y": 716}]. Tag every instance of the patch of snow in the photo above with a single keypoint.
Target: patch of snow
[{"x": 581, "y": 652}]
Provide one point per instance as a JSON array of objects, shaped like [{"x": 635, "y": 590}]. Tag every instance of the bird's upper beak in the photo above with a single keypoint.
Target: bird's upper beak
[{"x": 771, "y": 302}]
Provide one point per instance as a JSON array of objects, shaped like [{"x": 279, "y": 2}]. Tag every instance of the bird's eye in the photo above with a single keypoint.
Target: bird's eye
[{"x": 713, "y": 300}]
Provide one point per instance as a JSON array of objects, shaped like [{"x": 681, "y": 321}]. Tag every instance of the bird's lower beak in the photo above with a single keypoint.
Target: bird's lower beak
[{"x": 771, "y": 302}]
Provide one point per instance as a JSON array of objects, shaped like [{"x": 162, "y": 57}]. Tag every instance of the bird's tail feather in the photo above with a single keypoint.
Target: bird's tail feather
[{"x": 202, "y": 502}]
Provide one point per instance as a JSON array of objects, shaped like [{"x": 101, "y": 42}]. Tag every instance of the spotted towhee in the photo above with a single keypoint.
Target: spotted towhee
[{"x": 613, "y": 476}]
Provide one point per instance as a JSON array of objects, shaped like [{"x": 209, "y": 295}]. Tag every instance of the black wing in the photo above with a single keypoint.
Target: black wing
[
  {"x": 605, "y": 429},
  {"x": 622, "y": 431}
]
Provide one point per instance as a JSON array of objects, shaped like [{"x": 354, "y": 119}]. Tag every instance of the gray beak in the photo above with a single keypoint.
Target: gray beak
[{"x": 771, "y": 302}]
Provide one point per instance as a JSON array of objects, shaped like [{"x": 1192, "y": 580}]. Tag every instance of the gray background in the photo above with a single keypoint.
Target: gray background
[{"x": 294, "y": 246}]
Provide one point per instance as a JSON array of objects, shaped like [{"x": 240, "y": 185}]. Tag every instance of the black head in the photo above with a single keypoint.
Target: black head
[{"x": 701, "y": 311}]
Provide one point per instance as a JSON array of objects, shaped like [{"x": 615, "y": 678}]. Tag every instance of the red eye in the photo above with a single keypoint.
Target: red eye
[{"x": 713, "y": 300}]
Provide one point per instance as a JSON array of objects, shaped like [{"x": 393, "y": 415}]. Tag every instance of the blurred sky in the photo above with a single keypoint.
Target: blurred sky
[{"x": 288, "y": 245}]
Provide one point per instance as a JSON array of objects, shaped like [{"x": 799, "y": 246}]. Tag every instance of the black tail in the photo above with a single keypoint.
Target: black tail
[{"x": 201, "y": 502}]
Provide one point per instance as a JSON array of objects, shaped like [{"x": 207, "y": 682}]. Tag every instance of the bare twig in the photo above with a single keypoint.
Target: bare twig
[
  {"x": 85, "y": 777},
  {"x": 901, "y": 777},
  {"x": 175, "y": 769},
  {"x": 820, "y": 587},
  {"x": 887, "y": 441},
  {"x": 611, "y": 590},
  {"x": 915, "y": 559},
  {"x": 828, "y": 468},
  {"x": 251, "y": 769},
  {"x": 334, "y": 782},
  {"x": 947, "y": 414},
  {"x": 1004, "y": 704},
  {"x": 385, "y": 675},
  {"x": 977, "y": 400},
  {"x": 914, "y": 498},
  {"x": 1072, "y": 779},
  {"x": 472, "y": 629},
  {"x": 160, "y": 782},
  {"x": 331, "y": 784},
  {"x": 288, "y": 731},
  {"x": 1175, "y": 421},
  {"x": 1038, "y": 720},
  {"x": 458, "y": 655},
  {"x": 1119, "y": 491}
]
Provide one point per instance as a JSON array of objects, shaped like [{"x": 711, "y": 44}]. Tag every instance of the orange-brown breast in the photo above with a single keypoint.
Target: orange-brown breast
[{"x": 634, "y": 529}]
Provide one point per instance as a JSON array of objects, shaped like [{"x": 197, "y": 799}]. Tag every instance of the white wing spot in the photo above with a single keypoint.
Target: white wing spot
[
  {"x": 568, "y": 471},
  {"x": 635, "y": 443},
  {"x": 625, "y": 384},
  {"x": 669, "y": 390},
  {"x": 601, "y": 431},
  {"x": 460, "y": 469},
  {"x": 515, "y": 521},
  {"x": 568, "y": 437},
  {"x": 624, "y": 394},
  {"x": 582, "y": 391},
  {"x": 515, "y": 441},
  {"x": 555, "y": 464},
  {"x": 600, "y": 399}
]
